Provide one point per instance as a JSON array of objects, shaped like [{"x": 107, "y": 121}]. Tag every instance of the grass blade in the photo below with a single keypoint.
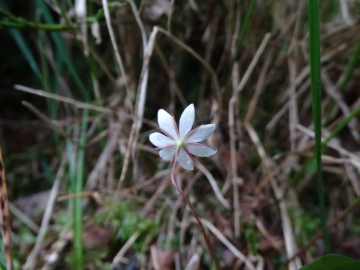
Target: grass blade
[
  {"x": 24, "y": 48},
  {"x": 315, "y": 66}
]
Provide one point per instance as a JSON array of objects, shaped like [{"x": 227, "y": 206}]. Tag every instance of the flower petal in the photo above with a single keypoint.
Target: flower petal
[
  {"x": 185, "y": 161},
  {"x": 167, "y": 153},
  {"x": 200, "y": 150},
  {"x": 202, "y": 133},
  {"x": 186, "y": 120},
  {"x": 167, "y": 123},
  {"x": 160, "y": 140}
]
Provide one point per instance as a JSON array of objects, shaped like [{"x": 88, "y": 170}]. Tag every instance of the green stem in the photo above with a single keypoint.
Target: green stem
[
  {"x": 341, "y": 125},
  {"x": 315, "y": 66},
  {"x": 12, "y": 21},
  {"x": 78, "y": 215},
  {"x": 61, "y": 48},
  {"x": 350, "y": 68},
  {"x": 244, "y": 27}
]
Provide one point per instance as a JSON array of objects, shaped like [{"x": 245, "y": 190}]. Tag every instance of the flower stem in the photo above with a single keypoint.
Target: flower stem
[{"x": 207, "y": 240}]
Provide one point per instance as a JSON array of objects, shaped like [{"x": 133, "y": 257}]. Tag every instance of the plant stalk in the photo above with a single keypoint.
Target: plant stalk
[{"x": 207, "y": 240}]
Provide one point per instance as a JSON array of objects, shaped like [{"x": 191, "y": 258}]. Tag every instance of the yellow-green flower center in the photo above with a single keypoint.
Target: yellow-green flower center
[{"x": 180, "y": 143}]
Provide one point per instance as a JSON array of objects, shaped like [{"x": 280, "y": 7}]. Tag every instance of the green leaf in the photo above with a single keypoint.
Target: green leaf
[
  {"x": 62, "y": 54},
  {"x": 2, "y": 267},
  {"x": 333, "y": 262},
  {"x": 23, "y": 46}
]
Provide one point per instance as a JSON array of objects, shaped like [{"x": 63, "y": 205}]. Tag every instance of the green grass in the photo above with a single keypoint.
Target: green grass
[{"x": 314, "y": 48}]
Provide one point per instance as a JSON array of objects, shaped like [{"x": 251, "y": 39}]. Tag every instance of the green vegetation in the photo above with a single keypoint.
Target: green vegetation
[{"x": 80, "y": 89}]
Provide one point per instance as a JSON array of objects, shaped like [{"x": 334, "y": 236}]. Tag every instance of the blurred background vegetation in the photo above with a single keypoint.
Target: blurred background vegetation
[{"x": 80, "y": 86}]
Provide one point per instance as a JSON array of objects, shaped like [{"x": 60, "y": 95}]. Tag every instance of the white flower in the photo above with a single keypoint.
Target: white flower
[{"x": 179, "y": 144}]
